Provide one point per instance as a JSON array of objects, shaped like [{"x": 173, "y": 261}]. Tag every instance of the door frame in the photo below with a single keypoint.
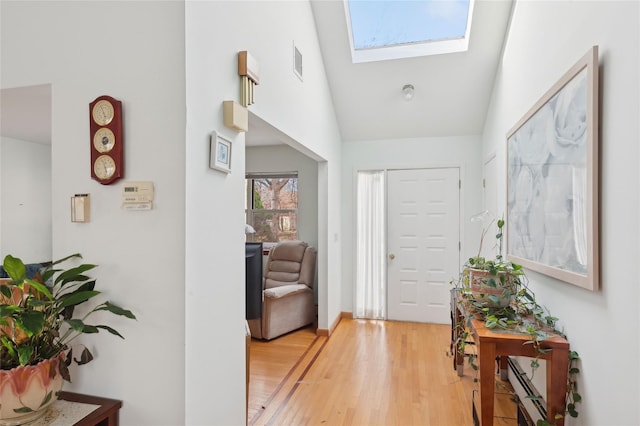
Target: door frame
[{"x": 387, "y": 168}]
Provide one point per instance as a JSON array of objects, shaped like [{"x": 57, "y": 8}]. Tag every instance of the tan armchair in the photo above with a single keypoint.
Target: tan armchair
[{"x": 287, "y": 296}]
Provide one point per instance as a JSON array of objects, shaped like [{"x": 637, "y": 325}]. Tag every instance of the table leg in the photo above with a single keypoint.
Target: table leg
[
  {"x": 487, "y": 360},
  {"x": 557, "y": 370},
  {"x": 504, "y": 367},
  {"x": 113, "y": 419},
  {"x": 458, "y": 332}
]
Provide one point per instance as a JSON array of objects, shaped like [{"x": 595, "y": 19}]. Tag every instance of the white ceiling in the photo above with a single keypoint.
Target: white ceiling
[{"x": 452, "y": 91}]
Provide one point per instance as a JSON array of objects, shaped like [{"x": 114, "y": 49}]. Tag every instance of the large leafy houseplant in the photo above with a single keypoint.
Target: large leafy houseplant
[{"x": 38, "y": 322}]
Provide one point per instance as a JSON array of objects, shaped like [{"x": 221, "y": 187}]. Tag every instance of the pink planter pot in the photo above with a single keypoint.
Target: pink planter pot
[
  {"x": 498, "y": 296},
  {"x": 27, "y": 391}
]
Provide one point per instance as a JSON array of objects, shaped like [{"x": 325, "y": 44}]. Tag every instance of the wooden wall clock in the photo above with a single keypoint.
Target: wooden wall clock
[{"x": 107, "y": 150}]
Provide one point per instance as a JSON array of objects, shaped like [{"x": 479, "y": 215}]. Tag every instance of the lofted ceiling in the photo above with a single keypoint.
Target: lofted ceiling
[{"x": 452, "y": 91}]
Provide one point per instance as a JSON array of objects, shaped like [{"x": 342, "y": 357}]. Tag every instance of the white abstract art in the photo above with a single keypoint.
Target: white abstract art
[{"x": 550, "y": 183}]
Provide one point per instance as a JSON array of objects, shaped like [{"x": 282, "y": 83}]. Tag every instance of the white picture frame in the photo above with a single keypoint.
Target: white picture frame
[
  {"x": 220, "y": 153},
  {"x": 552, "y": 180}
]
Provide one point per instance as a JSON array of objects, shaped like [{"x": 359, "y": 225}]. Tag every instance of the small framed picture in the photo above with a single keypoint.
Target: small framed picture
[{"x": 220, "y": 157}]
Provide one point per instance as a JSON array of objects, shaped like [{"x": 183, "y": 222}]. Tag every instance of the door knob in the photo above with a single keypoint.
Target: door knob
[{"x": 392, "y": 256}]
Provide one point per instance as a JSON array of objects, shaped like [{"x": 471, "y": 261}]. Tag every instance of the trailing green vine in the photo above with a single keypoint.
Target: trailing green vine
[{"x": 511, "y": 306}]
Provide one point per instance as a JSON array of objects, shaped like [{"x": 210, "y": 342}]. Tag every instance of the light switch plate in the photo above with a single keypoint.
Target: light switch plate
[{"x": 80, "y": 208}]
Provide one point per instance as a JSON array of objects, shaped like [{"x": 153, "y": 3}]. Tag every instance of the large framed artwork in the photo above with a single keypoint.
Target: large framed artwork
[{"x": 552, "y": 180}]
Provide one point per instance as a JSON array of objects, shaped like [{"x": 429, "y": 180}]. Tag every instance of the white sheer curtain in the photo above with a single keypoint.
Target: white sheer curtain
[{"x": 371, "y": 264}]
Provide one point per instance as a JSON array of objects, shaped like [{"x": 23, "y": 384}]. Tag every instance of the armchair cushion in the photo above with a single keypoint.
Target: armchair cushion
[
  {"x": 290, "y": 262},
  {"x": 282, "y": 272},
  {"x": 284, "y": 290}
]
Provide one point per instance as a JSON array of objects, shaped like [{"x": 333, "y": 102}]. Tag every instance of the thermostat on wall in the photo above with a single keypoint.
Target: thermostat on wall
[{"x": 137, "y": 195}]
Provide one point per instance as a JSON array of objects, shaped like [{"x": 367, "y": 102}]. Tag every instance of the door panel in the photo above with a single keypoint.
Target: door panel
[{"x": 423, "y": 241}]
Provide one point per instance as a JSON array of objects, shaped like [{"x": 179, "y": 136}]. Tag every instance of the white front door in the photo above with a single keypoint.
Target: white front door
[{"x": 423, "y": 235}]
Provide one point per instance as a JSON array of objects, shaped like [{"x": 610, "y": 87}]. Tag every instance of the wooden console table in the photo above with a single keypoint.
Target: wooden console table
[
  {"x": 495, "y": 343},
  {"x": 105, "y": 415}
]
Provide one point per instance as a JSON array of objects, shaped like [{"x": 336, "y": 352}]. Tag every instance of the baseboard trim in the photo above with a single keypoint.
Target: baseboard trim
[{"x": 325, "y": 332}]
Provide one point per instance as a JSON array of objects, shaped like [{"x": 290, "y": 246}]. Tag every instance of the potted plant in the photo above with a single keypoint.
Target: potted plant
[
  {"x": 38, "y": 322},
  {"x": 492, "y": 283},
  {"x": 498, "y": 294}
]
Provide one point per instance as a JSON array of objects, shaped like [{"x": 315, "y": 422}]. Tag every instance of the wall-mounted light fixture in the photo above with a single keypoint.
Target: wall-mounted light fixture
[{"x": 407, "y": 91}]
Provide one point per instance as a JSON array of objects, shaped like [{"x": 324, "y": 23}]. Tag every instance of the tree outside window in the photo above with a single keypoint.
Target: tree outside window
[{"x": 272, "y": 207}]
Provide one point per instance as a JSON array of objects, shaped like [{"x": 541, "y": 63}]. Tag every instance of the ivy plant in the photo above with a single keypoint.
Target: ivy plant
[{"x": 523, "y": 315}]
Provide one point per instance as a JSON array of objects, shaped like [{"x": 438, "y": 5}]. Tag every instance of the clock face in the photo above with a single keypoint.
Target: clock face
[
  {"x": 104, "y": 167},
  {"x": 104, "y": 140},
  {"x": 102, "y": 112}
]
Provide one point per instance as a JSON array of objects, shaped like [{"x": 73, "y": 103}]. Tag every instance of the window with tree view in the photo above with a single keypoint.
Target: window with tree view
[{"x": 272, "y": 206}]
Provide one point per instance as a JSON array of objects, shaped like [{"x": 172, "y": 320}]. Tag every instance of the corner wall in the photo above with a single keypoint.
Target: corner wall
[
  {"x": 302, "y": 110},
  {"x": 134, "y": 52},
  {"x": 215, "y": 32},
  {"x": 545, "y": 40}
]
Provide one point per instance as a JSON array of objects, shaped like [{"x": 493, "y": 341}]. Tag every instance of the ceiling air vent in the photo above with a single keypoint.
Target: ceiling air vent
[{"x": 297, "y": 62}]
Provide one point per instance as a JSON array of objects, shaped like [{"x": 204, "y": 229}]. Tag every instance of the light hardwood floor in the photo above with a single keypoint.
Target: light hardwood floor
[{"x": 367, "y": 373}]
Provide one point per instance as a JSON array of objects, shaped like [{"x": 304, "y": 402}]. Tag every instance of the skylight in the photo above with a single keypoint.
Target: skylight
[{"x": 392, "y": 29}]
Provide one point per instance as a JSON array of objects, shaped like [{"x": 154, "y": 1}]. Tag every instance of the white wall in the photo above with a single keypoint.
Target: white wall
[
  {"x": 303, "y": 110},
  {"x": 25, "y": 189},
  {"x": 463, "y": 152},
  {"x": 134, "y": 52},
  {"x": 187, "y": 252},
  {"x": 602, "y": 323},
  {"x": 215, "y": 32},
  {"x": 283, "y": 158}
]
